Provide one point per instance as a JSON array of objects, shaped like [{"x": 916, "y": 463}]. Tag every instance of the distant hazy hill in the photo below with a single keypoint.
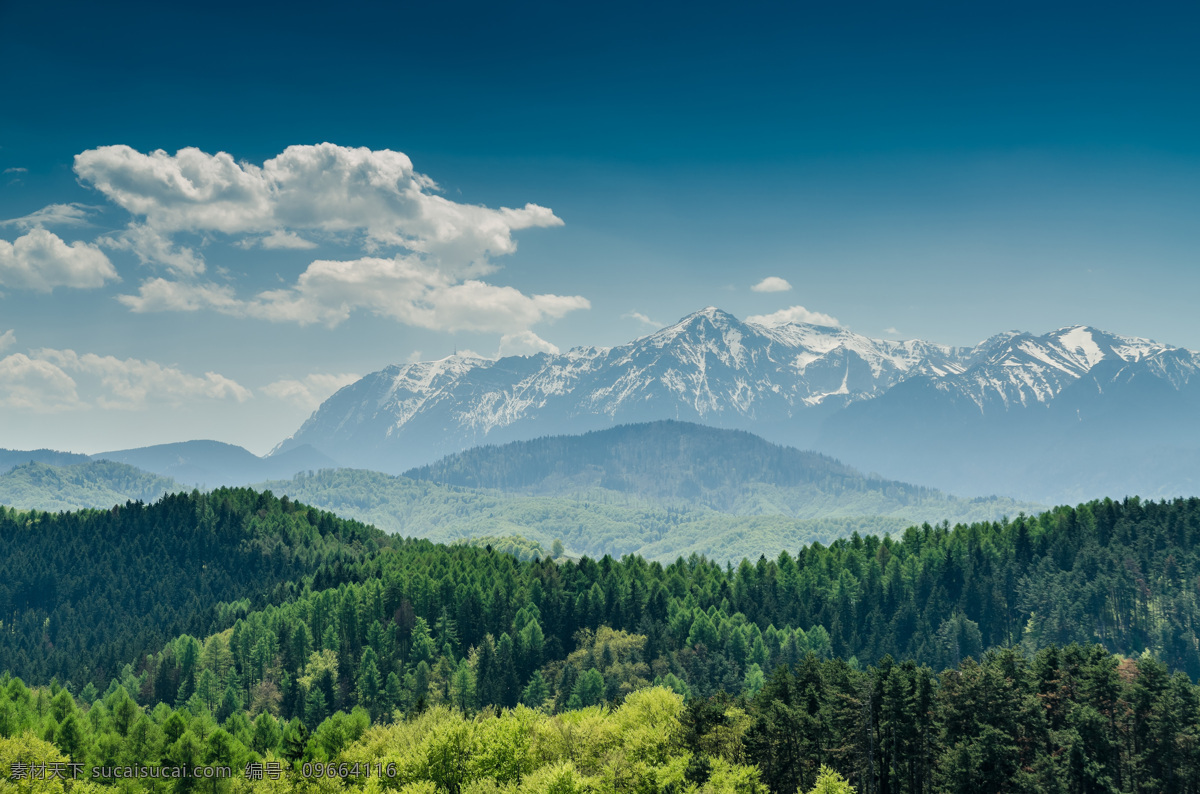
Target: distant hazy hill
[
  {"x": 15, "y": 457},
  {"x": 213, "y": 463},
  {"x": 662, "y": 490},
  {"x": 680, "y": 463},
  {"x": 99, "y": 483},
  {"x": 608, "y": 523}
]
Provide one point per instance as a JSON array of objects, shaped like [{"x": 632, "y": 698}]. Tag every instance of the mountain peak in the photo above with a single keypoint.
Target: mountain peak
[
  {"x": 713, "y": 314},
  {"x": 708, "y": 367}
]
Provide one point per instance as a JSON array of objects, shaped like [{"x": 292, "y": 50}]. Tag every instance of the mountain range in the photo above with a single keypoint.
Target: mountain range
[
  {"x": 1067, "y": 415},
  {"x": 663, "y": 490}
]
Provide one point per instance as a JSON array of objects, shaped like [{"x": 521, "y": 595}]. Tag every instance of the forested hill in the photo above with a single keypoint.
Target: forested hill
[
  {"x": 15, "y": 457},
  {"x": 811, "y": 658},
  {"x": 83, "y": 593},
  {"x": 96, "y": 483},
  {"x": 602, "y": 523},
  {"x": 683, "y": 463}
]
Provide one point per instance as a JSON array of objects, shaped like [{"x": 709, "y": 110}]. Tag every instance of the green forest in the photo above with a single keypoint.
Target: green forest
[
  {"x": 1048, "y": 653},
  {"x": 79, "y": 485}
]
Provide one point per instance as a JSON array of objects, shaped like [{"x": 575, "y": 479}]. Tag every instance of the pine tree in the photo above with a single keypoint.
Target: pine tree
[
  {"x": 589, "y": 690},
  {"x": 536, "y": 693},
  {"x": 267, "y": 735},
  {"x": 315, "y": 709}
]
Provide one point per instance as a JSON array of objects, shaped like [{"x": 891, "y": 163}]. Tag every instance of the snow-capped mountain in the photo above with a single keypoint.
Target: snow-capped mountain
[
  {"x": 709, "y": 367},
  {"x": 1021, "y": 369},
  {"x": 879, "y": 404}
]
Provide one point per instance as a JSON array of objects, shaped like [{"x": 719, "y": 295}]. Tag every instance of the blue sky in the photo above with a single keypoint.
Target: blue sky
[{"x": 943, "y": 171}]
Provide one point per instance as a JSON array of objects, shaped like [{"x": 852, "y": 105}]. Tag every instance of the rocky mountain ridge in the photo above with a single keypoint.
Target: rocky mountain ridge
[{"x": 811, "y": 386}]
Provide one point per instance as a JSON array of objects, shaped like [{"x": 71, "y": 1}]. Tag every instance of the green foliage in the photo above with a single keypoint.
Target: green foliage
[
  {"x": 94, "y": 484},
  {"x": 603, "y": 521},
  {"x": 394, "y": 633},
  {"x": 517, "y": 546},
  {"x": 830, "y": 782},
  {"x": 82, "y": 594}
]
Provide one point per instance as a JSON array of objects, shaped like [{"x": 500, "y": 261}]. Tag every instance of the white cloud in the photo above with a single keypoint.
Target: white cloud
[
  {"x": 311, "y": 390},
  {"x": 440, "y": 249},
  {"x": 74, "y": 214},
  {"x": 161, "y": 295},
  {"x": 16, "y": 170},
  {"x": 476, "y": 306},
  {"x": 643, "y": 319},
  {"x": 772, "y": 284},
  {"x": 794, "y": 314},
  {"x": 404, "y": 288},
  {"x": 7, "y": 340},
  {"x": 153, "y": 247},
  {"x": 41, "y": 260},
  {"x": 131, "y": 383},
  {"x": 892, "y": 331},
  {"x": 36, "y": 385},
  {"x": 324, "y": 188},
  {"x": 287, "y": 240},
  {"x": 49, "y": 380},
  {"x": 525, "y": 343}
]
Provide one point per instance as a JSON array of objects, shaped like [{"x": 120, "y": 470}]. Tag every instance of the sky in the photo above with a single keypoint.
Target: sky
[{"x": 214, "y": 217}]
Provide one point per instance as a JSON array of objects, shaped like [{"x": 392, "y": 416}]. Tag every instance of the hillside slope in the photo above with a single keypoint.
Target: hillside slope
[
  {"x": 83, "y": 593},
  {"x": 214, "y": 463},
  {"x": 604, "y": 523},
  {"x": 97, "y": 483},
  {"x": 15, "y": 457},
  {"x": 685, "y": 464}
]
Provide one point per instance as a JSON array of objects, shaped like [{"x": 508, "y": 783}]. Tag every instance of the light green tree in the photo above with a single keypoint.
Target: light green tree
[{"x": 830, "y": 782}]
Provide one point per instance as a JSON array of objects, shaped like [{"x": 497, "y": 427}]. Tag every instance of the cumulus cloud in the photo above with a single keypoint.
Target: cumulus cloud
[
  {"x": 324, "y": 188},
  {"x": 161, "y": 295},
  {"x": 892, "y": 331},
  {"x": 132, "y": 383},
  {"x": 794, "y": 314},
  {"x": 404, "y": 288},
  {"x": 311, "y": 390},
  {"x": 525, "y": 343},
  {"x": 48, "y": 380},
  {"x": 643, "y": 319},
  {"x": 772, "y": 284},
  {"x": 40, "y": 260},
  {"x": 7, "y": 340},
  {"x": 36, "y": 385},
  {"x": 431, "y": 277},
  {"x": 73, "y": 214}
]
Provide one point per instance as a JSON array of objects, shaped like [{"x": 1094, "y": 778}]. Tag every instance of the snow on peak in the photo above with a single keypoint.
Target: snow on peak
[
  {"x": 1078, "y": 339},
  {"x": 711, "y": 366}
]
